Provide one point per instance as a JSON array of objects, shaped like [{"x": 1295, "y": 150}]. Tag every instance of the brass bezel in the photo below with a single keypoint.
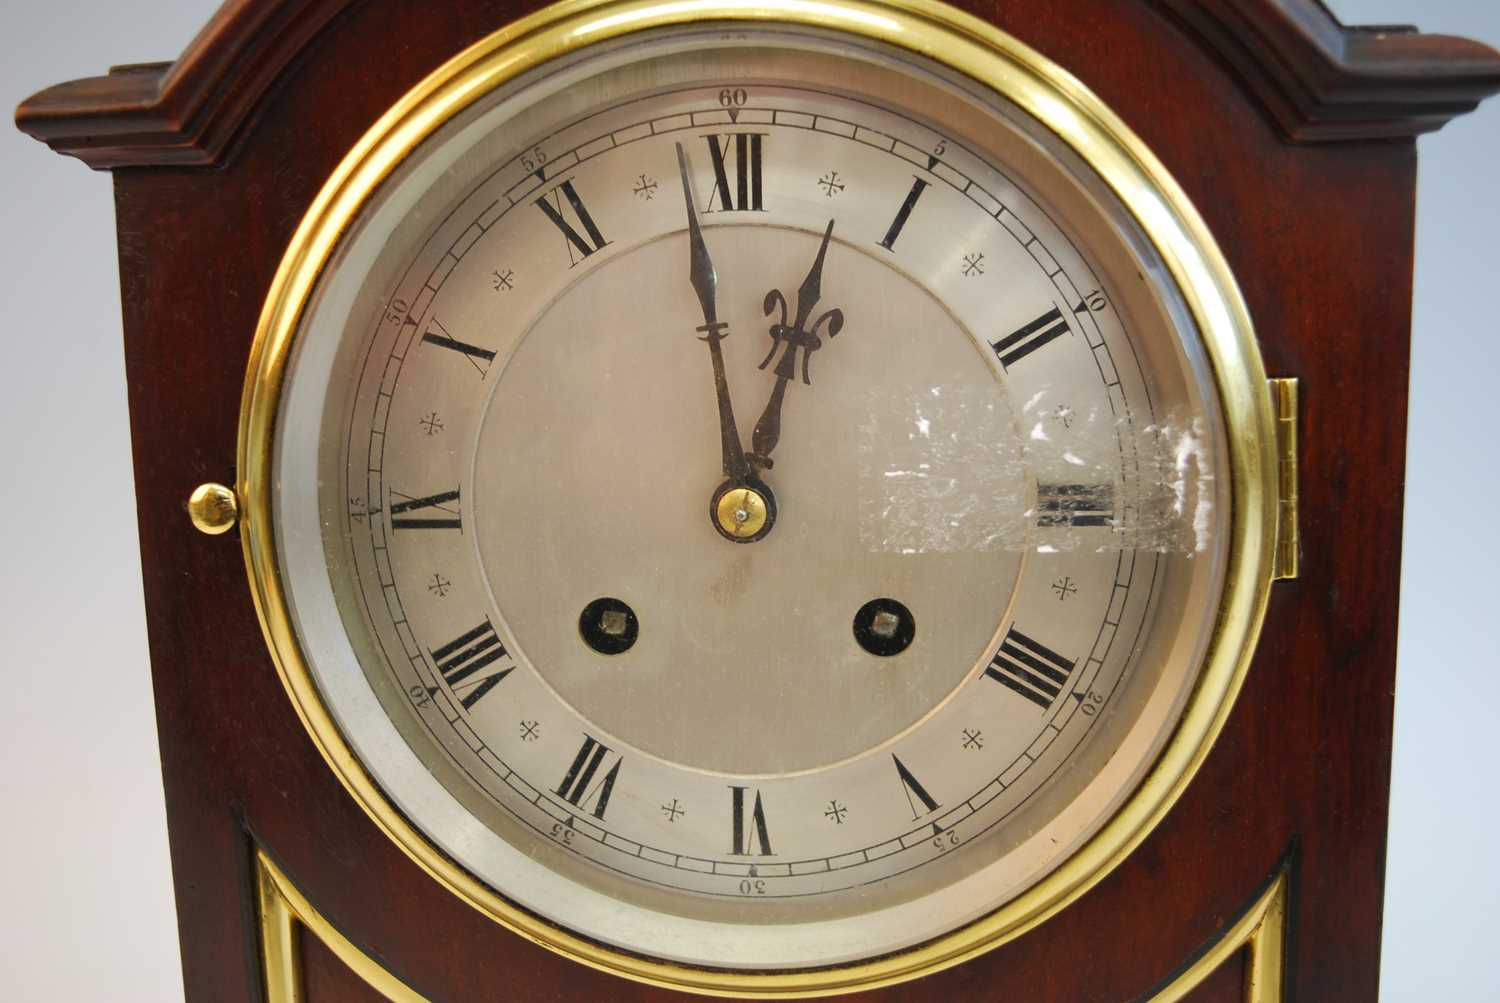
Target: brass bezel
[{"x": 1040, "y": 88}]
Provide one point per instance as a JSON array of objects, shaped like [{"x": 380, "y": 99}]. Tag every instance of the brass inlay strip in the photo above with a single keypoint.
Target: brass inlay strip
[
  {"x": 1288, "y": 535},
  {"x": 282, "y": 908},
  {"x": 1261, "y": 930}
]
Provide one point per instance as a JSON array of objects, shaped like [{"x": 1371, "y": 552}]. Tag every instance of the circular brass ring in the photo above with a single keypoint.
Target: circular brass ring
[{"x": 1041, "y": 89}]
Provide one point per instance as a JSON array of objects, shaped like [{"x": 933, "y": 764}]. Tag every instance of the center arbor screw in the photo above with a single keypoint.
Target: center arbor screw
[{"x": 743, "y": 513}]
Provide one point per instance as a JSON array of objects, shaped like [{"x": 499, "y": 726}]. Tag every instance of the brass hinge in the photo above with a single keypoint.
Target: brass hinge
[{"x": 1288, "y": 537}]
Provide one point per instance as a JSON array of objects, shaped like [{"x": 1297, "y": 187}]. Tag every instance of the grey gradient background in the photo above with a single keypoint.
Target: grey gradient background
[{"x": 84, "y": 880}]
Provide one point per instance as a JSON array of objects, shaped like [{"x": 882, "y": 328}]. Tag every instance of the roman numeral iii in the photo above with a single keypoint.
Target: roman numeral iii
[
  {"x": 462, "y": 660},
  {"x": 1075, "y": 504},
  {"x": 1030, "y": 669},
  {"x": 749, "y": 831},
  {"x": 578, "y": 787},
  {"x": 556, "y": 205},
  {"x": 745, "y": 193}
]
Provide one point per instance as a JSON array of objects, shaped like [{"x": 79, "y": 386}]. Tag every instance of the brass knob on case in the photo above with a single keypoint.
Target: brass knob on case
[{"x": 213, "y": 508}]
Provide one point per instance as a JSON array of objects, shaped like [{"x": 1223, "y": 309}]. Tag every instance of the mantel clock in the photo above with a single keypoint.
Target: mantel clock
[{"x": 777, "y": 499}]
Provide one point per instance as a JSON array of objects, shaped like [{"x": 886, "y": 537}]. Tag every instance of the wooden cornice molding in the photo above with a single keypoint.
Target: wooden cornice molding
[
  {"x": 1321, "y": 81},
  {"x": 185, "y": 113},
  {"x": 1317, "y": 79}
]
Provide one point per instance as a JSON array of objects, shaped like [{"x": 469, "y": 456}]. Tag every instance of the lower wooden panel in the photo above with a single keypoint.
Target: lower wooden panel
[
  {"x": 326, "y": 979},
  {"x": 306, "y": 960}
]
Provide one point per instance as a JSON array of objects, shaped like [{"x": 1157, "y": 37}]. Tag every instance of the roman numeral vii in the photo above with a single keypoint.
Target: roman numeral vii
[{"x": 578, "y": 787}]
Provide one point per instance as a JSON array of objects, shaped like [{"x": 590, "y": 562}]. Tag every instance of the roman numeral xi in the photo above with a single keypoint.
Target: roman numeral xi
[{"x": 556, "y": 206}]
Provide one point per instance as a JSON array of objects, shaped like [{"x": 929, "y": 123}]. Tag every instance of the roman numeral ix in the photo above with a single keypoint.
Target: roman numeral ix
[
  {"x": 444, "y": 502},
  {"x": 461, "y": 659},
  {"x": 575, "y": 787},
  {"x": 1033, "y": 670}
]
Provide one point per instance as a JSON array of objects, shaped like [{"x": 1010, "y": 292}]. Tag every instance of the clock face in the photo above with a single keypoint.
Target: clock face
[{"x": 750, "y": 497}]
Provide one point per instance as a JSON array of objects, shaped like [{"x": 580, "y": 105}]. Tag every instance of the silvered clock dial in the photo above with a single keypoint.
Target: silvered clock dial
[{"x": 741, "y": 497}]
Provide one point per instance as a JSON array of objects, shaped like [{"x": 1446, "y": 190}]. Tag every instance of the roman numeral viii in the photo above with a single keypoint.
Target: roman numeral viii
[
  {"x": 749, "y": 831},
  {"x": 1014, "y": 347},
  {"x": 555, "y": 205},
  {"x": 1033, "y": 670},
  {"x": 745, "y": 194},
  {"x": 575, "y": 787},
  {"x": 439, "y": 511},
  {"x": 462, "y": 660}
]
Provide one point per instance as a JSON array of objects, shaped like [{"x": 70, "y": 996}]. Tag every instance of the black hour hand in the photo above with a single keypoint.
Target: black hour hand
[{"x": 789, "y": 340}]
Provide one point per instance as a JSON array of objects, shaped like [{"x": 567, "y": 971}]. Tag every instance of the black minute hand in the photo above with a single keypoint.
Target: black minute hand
[
  {"x": 705, "y": 282},
  {"x": 798, "y": 335}
]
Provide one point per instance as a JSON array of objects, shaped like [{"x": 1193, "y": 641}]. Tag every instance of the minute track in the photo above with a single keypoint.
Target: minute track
[{"x": 914, "y": 841}]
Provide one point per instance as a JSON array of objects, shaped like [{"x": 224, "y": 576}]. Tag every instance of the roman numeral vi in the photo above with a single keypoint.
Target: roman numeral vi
[{"x": 746, "y": 837}]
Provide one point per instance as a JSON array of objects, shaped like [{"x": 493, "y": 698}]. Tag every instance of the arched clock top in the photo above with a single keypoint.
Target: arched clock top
[
  {"x": 1317, "y": 79},
  {"x": 1321, "y": 81}
]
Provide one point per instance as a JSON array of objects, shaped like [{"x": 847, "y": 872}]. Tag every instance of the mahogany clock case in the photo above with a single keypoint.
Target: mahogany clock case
[{"x": 1270, "y": 127}]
